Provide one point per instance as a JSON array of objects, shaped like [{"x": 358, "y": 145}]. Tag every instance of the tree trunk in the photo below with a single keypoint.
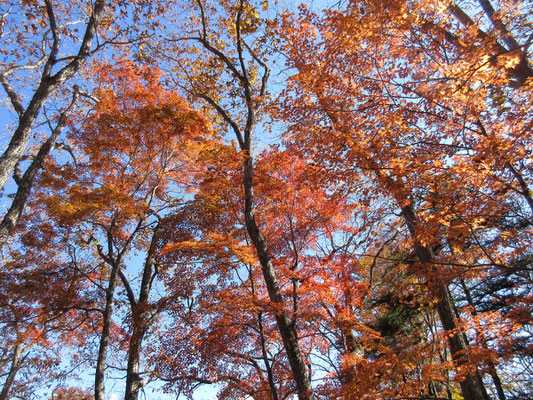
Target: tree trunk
[
  {"x": 252, "y": 95},
  {"x": 15, "y": 364},
  {"x": 133, "y": 379},
  {"x": 472, "y": 386},
  {"x": 286, "y": 327},
  {"x": 140, "y": 326},
  {"x": 140, "y": 321},
  {"x": 99, "y": 389},
  {"x": 47, "y": 85}
]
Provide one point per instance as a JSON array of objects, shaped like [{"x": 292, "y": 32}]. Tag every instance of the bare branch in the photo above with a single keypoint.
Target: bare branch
[
  {"x": 202, "y": 15},
  {"x": 8, "y": 224},
  {"x": 56, "y": 39},
  {"x": 47, "y": 86},
  {"x": 213, "y": 50},
  {"x": 225, "y": 115},
  {"x": 67, "y": 148},
  {"x": 266, "y": 73},
  {"x": 129, "y": 291},
  {"x": 14, "y": 68},
  {"x": 13, "y": 96}
]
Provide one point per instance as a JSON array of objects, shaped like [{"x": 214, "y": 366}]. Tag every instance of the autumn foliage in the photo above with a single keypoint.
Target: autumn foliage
[{"x": 265, "y": 203}]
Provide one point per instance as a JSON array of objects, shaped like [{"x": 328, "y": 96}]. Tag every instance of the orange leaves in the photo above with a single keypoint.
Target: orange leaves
[
  {"x": 93, "y": 203},
  {"x": 139, "y": 145},
  {"x": 408, "y": 129},
  {"x": 409, "y": 109},
  {"x": 215, "y": 245},
  {"x": 71, "y": 393},
  {"x": 137, "y": 116}
]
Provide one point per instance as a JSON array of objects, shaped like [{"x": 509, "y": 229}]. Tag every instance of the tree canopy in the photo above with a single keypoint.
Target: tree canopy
[{"x": 325, "y": 201}]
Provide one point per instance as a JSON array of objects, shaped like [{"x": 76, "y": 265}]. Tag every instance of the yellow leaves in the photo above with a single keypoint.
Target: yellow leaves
[
  {"x": 248, "y": 17},
  {"x": 437, "y": 163},
  {"x": 85, "y": 203},
  {"x": 216, "y": 245},
  {"x": 399, "y": 165},
  {"x": 509, "y": 60}
]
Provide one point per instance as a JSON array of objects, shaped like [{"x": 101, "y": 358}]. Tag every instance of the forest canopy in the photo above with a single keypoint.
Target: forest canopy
[{"x": 260, "y": 200}]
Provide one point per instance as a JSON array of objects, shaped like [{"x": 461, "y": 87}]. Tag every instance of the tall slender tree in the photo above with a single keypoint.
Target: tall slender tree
[{"x": 233, "y": 84}]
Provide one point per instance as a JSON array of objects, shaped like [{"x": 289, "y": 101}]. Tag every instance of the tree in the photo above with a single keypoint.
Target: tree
[
  {"x": 44, "y": 47},
  {"x": 237, "y": 344},
  {"x": 378, "y": 248},
  {"x": 136, "y": 149},
  {"x": 410, "y": 111},
  {"x": 43, "y": 53},
  {"x": 239, "y": 70},
  {"x": 40, "y": 327}
]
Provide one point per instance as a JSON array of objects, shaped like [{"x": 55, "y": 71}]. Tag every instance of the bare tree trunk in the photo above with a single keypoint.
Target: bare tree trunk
[
  {"x": 25, "y": 183},
  {"x": 99, "y": 389},
  {"x": 133, "y": 379},
  {"x": 15, "y": 365}
]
